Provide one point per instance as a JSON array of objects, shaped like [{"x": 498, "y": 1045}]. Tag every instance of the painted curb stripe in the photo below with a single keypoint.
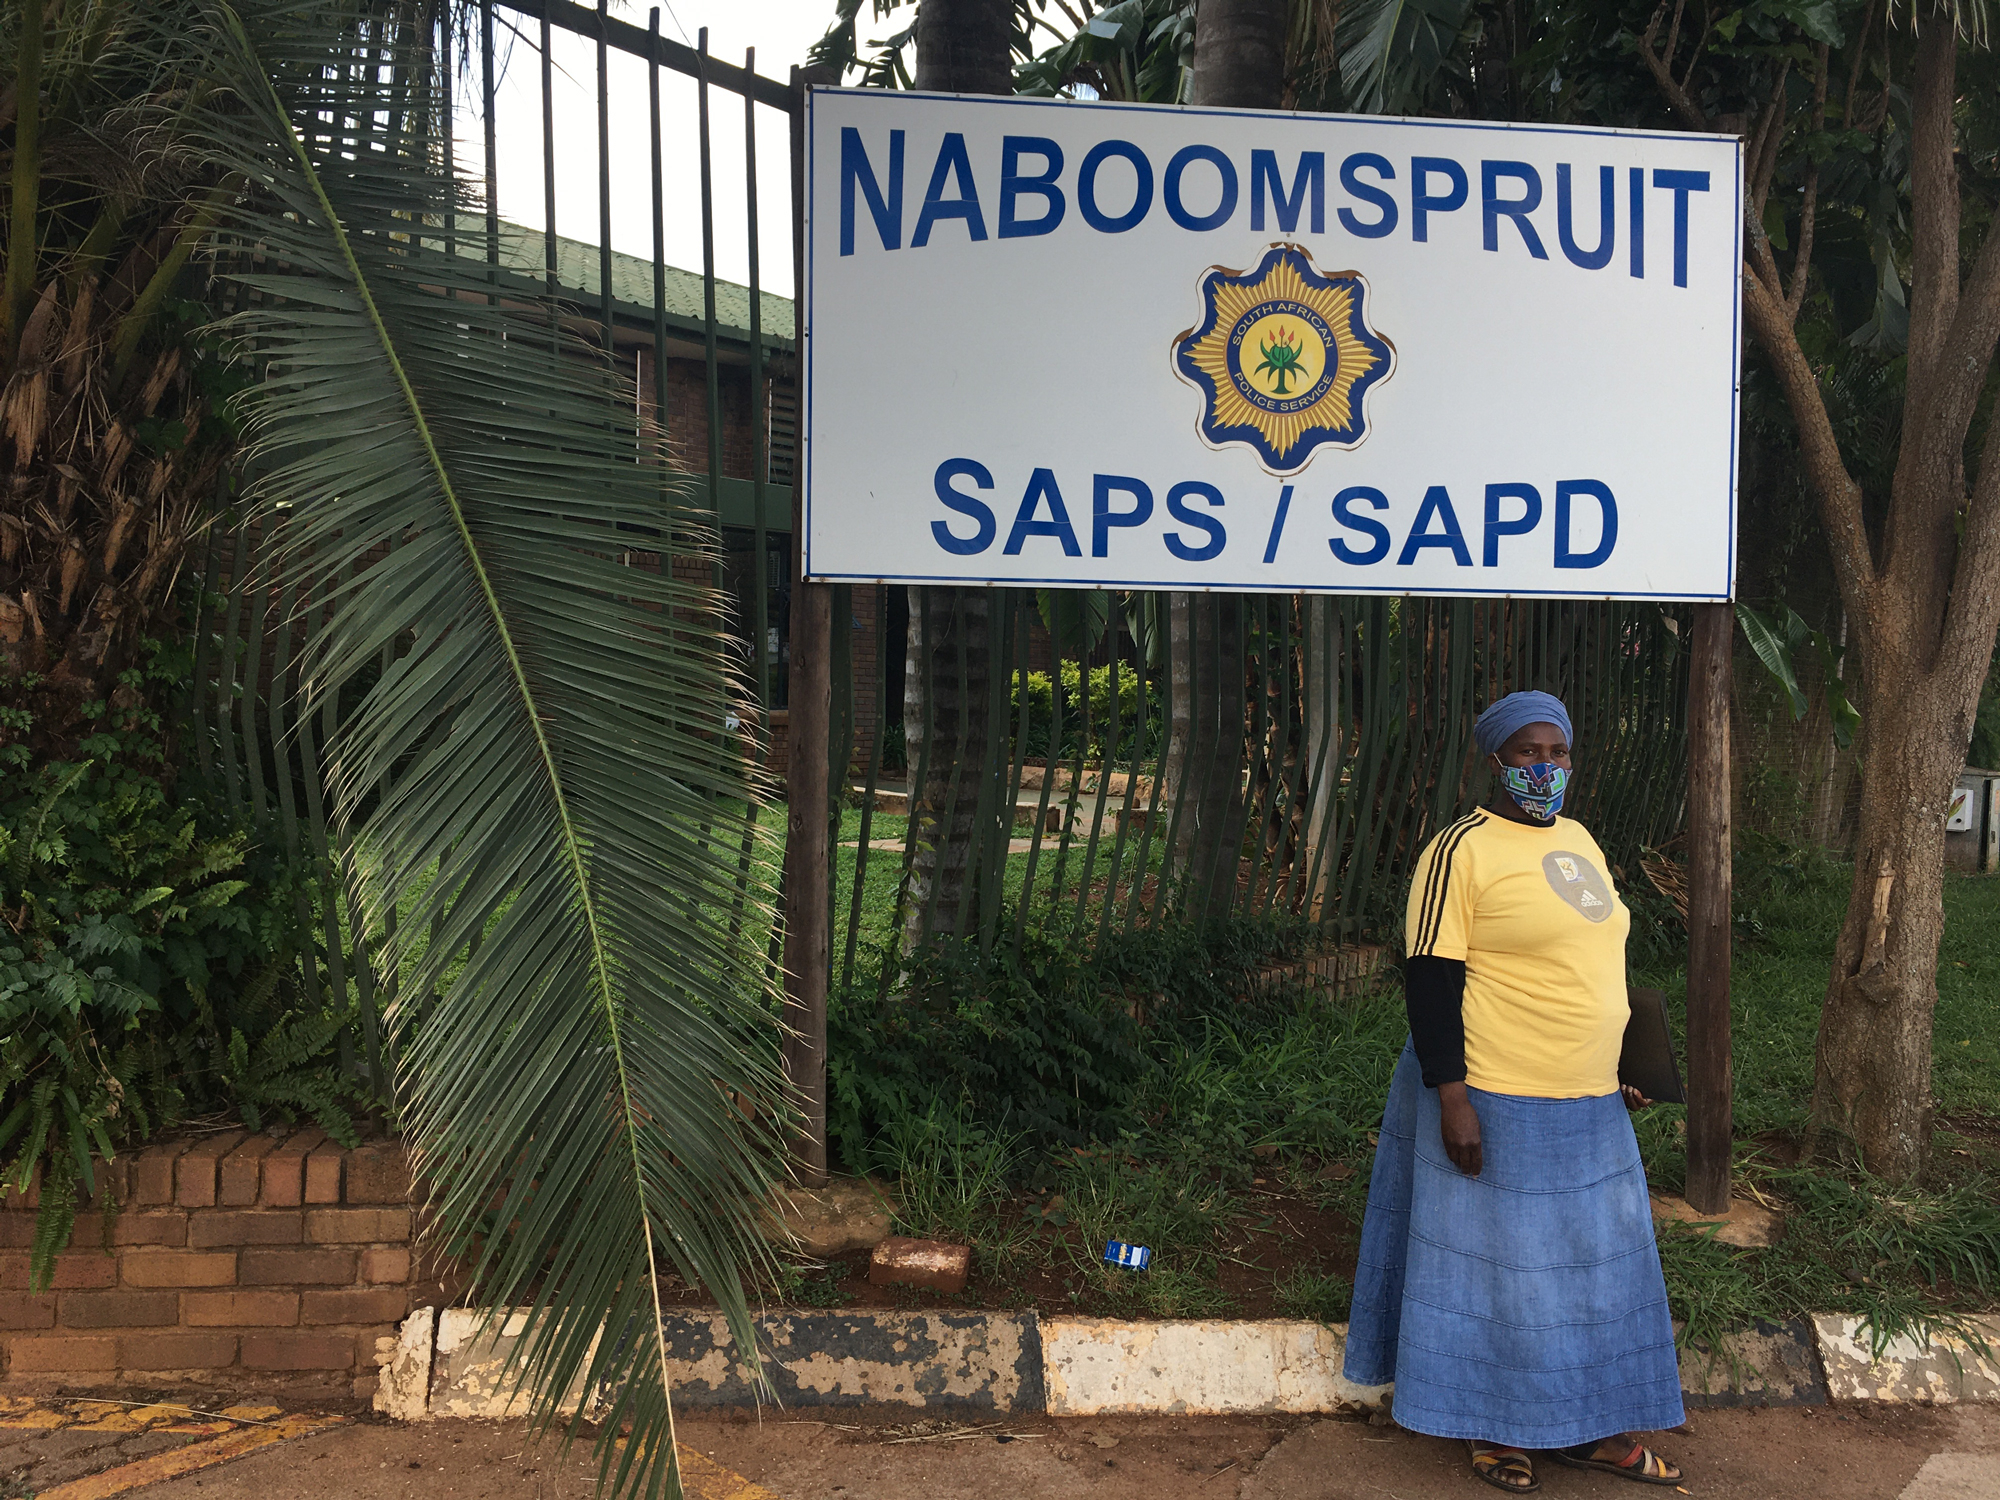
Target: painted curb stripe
[
  {"x": 160, "y": 1467},
  {"x": 1008, "y": 1363}
]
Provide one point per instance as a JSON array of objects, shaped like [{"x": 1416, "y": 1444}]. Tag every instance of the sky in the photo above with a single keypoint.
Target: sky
[{"x": 780, "y": 30}]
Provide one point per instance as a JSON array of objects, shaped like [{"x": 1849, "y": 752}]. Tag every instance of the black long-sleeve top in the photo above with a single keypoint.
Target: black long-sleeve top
[{"x": 1434, "y": 995}]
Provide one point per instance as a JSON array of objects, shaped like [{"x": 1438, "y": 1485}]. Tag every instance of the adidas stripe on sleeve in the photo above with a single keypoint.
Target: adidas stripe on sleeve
[{"x": 1440, "y": 910}]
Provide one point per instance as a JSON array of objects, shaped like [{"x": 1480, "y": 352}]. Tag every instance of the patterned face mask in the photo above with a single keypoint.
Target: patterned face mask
[{"x": 1537, "y": 790}]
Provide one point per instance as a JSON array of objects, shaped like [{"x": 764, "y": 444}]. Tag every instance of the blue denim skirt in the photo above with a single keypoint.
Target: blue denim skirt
[{"x": 1525, "y": 1305}]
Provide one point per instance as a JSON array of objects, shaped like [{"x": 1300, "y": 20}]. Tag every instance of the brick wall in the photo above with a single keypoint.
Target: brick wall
[
  {"x": 234, "y": 1260},
  {"x": 687, "y": 411}
]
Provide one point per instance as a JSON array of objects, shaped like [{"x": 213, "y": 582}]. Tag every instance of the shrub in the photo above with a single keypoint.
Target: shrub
[
  {"x": 1088, "y": 725},
  {"x": 148, "y": 972},
  {"x": 1046, "y": 1048},
  {"x": 1034, "y": 1046}
]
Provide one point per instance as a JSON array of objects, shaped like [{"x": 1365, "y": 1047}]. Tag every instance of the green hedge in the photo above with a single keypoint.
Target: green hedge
[{"x": 1138, "y": 727}]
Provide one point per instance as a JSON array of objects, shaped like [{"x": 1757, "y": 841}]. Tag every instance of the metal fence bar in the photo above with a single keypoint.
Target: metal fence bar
[
  {"x": 488, "y": 89},
  {"x": 862, "y": 849},
  {"x": 660, "y": 427},
  {"x": 972, "y": 882},
  {"x": 1050, "y": 760},
  {"x": 709, "y": 352},
  {"x": 944, "y": 825},
  {"x": 1017, "y": 655},
  {"x": 1324, "y": 784},
  {"x": 226, "y": 703},
  {"x": 1276, "y": 835},
  {"x": 281, "y": 698},
  {"x": 449, "y": 119},
  {"x": 1264, "y": 726},
  {"x": 760, "y": 458},
  {"x": 1135, "y": 759},
  {"x": 1166, "y": 639},
  {"x": 203, "y": 626},
  {"x": 551, "y": 262},
  {"x": 625, "y": 37},
  {"x": 1003, "y": 746},
  {"x": 1072, "y": 797},
  {"x": 1108, "y": 760},
  {"x": 257, "y": 611}
]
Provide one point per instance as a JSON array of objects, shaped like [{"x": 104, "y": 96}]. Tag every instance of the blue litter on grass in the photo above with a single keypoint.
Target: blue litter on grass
[{"x": 1132, "y": 1257}]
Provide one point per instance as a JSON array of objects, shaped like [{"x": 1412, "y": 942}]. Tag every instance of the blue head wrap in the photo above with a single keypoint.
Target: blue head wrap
[{"x": 1498, "y": 724}]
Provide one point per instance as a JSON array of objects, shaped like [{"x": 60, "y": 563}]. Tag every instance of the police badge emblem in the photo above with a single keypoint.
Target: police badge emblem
[{"x": 1284, "y": 358}]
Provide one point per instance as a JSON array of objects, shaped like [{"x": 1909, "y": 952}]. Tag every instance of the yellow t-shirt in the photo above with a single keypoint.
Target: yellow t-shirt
[{"x": 1532, "y": 914}]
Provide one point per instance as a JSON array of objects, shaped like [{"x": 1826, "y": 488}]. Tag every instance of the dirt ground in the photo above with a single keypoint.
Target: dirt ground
[{"x": 1950, "y": 1453}]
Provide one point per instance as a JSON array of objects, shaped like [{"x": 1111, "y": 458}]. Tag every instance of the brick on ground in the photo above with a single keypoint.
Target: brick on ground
[{"x": 927, "y": 1263}]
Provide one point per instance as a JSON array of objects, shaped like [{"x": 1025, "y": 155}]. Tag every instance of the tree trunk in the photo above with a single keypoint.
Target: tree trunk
[
  {"x": 1923, "y": 603},
  {"x": 1872, "y": 1069},
  {"x": 963, "y": 47}
]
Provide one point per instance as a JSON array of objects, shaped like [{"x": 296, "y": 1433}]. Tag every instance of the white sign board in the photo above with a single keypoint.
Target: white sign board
[{"x": 1120, "y": 346}]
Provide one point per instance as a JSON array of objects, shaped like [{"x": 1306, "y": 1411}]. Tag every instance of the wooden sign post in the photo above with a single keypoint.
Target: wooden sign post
[
  {"x": 807, "y": 916},
  {"x": 1710, "y": 1083}
]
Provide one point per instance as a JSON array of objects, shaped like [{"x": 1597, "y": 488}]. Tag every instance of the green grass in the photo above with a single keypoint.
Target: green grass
[
  {"x": 1789, "y": 907},
  {"x": 1315, "y": 1294},
  {"x": 1908, "y": 1258},
  {"x": 1291, "y": 1087}
]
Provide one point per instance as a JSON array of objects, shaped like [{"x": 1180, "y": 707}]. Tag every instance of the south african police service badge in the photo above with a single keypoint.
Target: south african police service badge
[{"x": 1284, "y": 358}]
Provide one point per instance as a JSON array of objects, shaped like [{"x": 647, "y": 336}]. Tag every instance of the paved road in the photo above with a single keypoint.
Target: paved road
[{"x": 1950, "y": 1453}]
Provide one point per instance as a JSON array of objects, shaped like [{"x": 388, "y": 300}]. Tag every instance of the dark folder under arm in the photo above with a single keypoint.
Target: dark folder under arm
[{"x": 1646, "y": 1061}]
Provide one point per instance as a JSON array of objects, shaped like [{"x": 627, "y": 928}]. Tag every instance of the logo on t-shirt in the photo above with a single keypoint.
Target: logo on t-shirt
[{"x": 1578, "y": 882}]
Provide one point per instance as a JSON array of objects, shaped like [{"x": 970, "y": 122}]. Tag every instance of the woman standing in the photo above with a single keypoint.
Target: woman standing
[{"x": 1509, "y": 1283}]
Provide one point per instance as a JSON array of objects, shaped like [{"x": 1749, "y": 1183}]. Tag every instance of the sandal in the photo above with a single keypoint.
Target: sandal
[
  {"x": 1504, "y": 1468},
  {"x": 1641, "y": 1463}
]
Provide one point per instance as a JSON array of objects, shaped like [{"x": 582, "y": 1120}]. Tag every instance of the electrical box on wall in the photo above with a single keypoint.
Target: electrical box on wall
[{"x": 1972, "y": 823}]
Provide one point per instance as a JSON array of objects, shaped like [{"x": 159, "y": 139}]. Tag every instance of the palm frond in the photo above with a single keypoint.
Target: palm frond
[
  {"x": 546, "y": 766},
  {"x": 1390, "y": 49},
  {"x": 1971, "y": 19}
]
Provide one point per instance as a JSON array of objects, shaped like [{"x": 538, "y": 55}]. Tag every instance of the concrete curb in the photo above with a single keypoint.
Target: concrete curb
[{"x": 1020, "y": 1363}]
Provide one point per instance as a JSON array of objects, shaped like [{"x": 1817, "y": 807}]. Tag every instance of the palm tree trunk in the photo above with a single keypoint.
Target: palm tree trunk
[
  {"x": 963, "y": 47},
  {"x": 1239, "y": 61},
  {"x": 1239, "y": 54}
]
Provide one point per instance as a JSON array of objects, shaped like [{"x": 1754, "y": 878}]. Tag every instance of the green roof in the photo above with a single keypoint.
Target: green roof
[{"x": 524, "y": 250}]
